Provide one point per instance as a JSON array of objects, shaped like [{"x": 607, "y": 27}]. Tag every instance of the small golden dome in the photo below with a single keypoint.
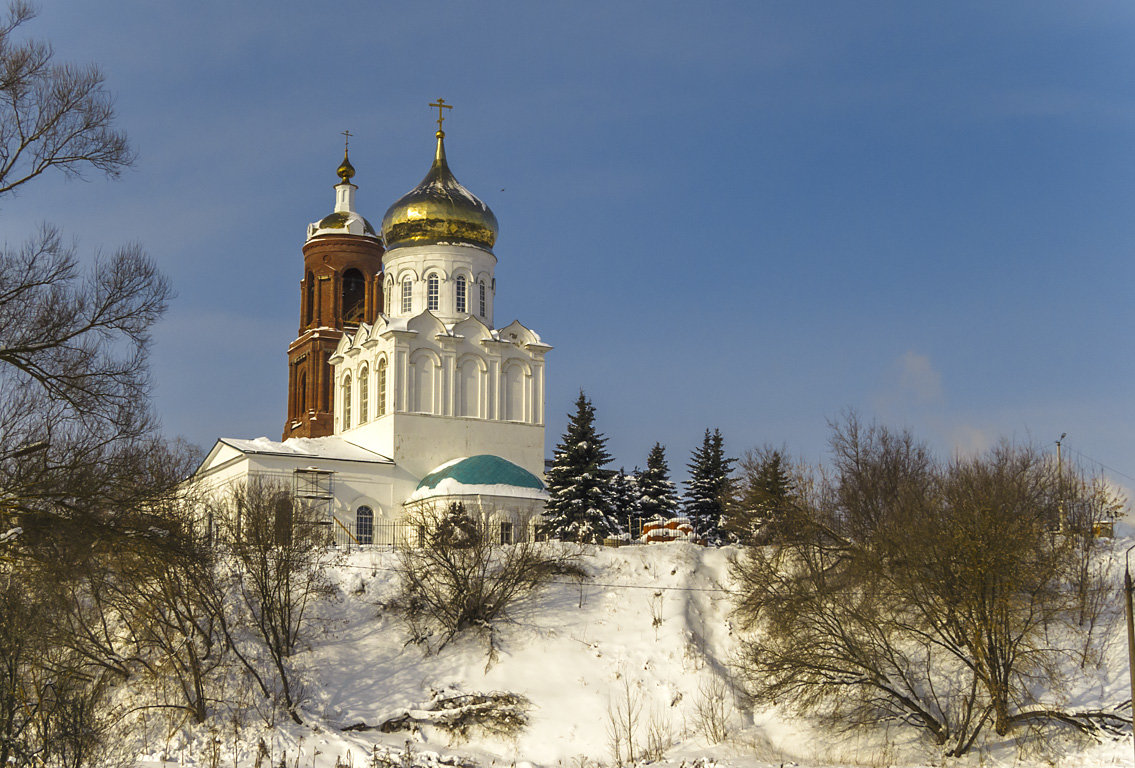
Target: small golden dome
[
  {"x": 345, "y": 171},
  {"x": 439, "y": 210}
]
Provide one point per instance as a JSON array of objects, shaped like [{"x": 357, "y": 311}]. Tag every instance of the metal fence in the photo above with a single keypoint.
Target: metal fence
[{"x": 348, "y": 537}]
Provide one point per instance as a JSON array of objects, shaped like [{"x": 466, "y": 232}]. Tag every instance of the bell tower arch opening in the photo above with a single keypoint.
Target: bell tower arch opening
[{"x": 354, "y": 296}]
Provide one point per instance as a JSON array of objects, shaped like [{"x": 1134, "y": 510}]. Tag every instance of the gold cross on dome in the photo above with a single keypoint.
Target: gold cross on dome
[
  {"x": 441, "y": 105},
  {"x": 346, "y": 141}
]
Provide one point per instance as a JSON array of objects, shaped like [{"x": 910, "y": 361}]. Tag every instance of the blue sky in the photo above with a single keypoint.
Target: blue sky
[{"x": 743, "y": 215}]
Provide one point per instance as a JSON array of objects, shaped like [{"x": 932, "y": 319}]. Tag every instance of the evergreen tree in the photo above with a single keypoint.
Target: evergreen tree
[
  {"x": 708, "y": 487},
  {"x": 657, "y": 495},
  {"x": 624, "y": 497},
  {"x": 579, "y": 506},
  {"x": 761, "y": 512}
]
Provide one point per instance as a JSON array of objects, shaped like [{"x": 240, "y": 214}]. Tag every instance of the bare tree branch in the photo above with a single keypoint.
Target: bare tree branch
[{"x": 52, "y": 116}]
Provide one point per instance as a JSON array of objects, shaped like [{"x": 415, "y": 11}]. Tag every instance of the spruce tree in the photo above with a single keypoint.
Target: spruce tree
[
  {"x": 624, "y": 497},
  {"x": 762, "y": 511},
  {"x": 579, "y": 504},
  {"x": 657, "y": 495},
  {"x": 708, "y": 487}
]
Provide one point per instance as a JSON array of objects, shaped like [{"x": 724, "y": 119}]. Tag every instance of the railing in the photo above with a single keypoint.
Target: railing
[{"x": 348, "y": 537}]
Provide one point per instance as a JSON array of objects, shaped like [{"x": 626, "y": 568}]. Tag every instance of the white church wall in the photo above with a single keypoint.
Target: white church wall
[
  {"x": 472, "y": 381},
  {"x": 421, "y": 443},
  {"x": 380, "y": 486},
  {"x": 434, "y": 370},
  {"x": 417, "y": 263},
  {"x": 520, "y": 515}
]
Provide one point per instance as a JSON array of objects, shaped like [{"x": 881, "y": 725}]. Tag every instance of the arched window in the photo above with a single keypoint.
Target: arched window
[
  {"x": 461, "y": 293},
  {"x": 382, "y": 387},
  {"x": 481, "y": 289},
  {"x": 282, "y": 520},
  {"x": 407, "y": 295},
  {"x": 364, "y": 391},
  {"x": 364, "y": 525},
  {"x": 301, "y": 395},
  {"x": 386, "y": 298},
  {"x": 432, "y": 291},
  {"x": 309, "y": 289},
  {"x": 347, "y": 401},
  {"x": 354, "y": 296}
]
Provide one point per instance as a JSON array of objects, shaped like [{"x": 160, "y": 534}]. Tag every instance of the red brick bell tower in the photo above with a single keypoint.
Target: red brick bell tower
[{"x": 341, "y": 287}]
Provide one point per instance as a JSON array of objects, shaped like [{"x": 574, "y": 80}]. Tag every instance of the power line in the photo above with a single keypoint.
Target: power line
[
  {"x": 585, "y": 582},
  {"x": 1083, "y": 455}
]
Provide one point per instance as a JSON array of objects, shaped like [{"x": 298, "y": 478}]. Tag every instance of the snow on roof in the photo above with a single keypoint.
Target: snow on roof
[
  {"x": 313, "y": 447},
  {"x": 484, "y": 475},
  {"x": 517, "y": 332},
  {"x": 451, "y": 487},
  {"x": 447, "y": 465}
]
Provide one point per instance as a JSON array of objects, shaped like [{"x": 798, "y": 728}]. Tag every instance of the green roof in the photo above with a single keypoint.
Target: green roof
[{"x": 483, "y": 470}]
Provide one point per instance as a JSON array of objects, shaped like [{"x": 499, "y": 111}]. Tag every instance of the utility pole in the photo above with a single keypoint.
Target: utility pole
[
  {"x": 1130, "y": 623},
  {"x": 1060, "y": 482}
]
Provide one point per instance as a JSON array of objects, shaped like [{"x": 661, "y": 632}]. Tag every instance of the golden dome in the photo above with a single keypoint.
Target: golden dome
[
  {"x": 439, "y": 210},
  {"x": 344, "y": 220},
  {"x": 345, "y": 171}
]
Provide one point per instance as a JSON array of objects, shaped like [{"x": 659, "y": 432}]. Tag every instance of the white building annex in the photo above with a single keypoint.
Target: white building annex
[{"x": 402, "y": 392}]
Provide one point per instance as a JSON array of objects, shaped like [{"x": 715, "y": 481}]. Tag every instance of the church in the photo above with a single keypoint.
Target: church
[{"x": 402, "y": 392}]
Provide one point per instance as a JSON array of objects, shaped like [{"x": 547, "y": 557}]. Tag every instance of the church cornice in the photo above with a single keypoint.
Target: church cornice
[
  {"x": 399, "y": 333},
  {"x": 307, "y": 337}
]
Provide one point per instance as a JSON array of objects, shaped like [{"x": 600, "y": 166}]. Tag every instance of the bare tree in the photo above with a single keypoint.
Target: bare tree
[
  {"x": 180, "y": 625},
  {"x": 278, "y": 547},
  {"x": 156, "y": 609},
  {"x": 458, "y": 578},
  {"x": 79, "y": 479},
  {"x": 1089, "y": 505},
  {"x": 921, "y": 591},
  {"x": 73, "y": 349},
  {"x": 51, "y": 115}
]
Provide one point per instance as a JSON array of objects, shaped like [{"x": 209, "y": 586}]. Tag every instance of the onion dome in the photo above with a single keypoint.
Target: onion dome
[
  {"x": 439, "y": 211},
  {"x": 344, "y": 220},
  {"x": 345, "y": 171}
]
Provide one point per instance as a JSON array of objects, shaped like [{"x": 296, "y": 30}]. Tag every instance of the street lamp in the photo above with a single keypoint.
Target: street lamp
[{"x": 25, "y": 450}]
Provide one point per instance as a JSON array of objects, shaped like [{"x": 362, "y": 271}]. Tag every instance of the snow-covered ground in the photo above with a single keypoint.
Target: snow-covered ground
[{"x": 650, "y": 630}]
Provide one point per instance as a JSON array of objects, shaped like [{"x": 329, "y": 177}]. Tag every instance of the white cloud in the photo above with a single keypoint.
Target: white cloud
[
  {"x": 968, "y": 440},
  {"x": 919, "y": 379}
]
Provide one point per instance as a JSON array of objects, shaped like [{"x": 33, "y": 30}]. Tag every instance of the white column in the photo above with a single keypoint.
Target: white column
[
  {"x": 402, "y": 380},
  {"x": 537, "y": 391},
  {"x": 493, "y": 393}
]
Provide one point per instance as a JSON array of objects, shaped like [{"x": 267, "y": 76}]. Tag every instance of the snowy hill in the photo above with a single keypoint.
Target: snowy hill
[{"x": 635, "y": 659}]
